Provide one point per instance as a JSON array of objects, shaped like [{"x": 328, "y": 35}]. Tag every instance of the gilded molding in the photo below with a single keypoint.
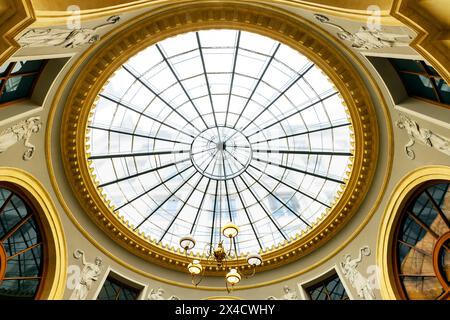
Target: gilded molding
[
  {"x": 162, "y": 24},
  {"x": 400, "y": 195},
  {"x": 430, "y": 41},
  {"x": 51, "y": 13},
  {"x": 49, "y": 149},
  {"x": 222, "y": 298},
  {"x": 15, "y": 16},
  {"x": 55, "y": 267}
]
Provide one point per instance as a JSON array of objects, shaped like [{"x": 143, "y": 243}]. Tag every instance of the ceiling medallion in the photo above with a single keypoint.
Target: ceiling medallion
[{"x": 216, "y": 146}]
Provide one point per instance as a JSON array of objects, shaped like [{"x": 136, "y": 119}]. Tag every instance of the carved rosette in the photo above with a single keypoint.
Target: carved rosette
[{"x": 158, "y": 25}]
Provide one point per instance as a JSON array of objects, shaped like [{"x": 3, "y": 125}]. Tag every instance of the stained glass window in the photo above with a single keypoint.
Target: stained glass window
[
  {"x": 422, "y": 235},
  {"x": 218, "y": 125},
  {"x": 115, "y": 290},
  {"x": 422, "y": 80},
  {"x": 17, "y": 79},
  {"x": 329, "y": 289},
  {"x": 21, "y": 252}
]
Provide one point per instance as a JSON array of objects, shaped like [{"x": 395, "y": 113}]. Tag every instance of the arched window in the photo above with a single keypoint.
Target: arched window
[
  {"x": 114, "y": 289},
  {"x": 330, "y": 288},
  {"x": 422, "y": 81},
  {"x": 18, "y": 79},
  {"x": 422, "y": 242},
  {"x": 21, "y": 247}
]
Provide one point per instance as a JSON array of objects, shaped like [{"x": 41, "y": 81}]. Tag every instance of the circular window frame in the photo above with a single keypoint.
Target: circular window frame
[
  {"x": 443, "y": 240},
  {"x": 406, "y": 190},
  {"x": 273, "y": 23},
  {"x": 55, "y": 264},
  {"x": 2, "y": 261}
]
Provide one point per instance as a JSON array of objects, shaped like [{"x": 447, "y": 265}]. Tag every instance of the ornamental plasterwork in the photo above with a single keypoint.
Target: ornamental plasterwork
[
  {"x": 360, "y": 283},
  {"x": 289, "y": 294},
  {"x": 366, "y": 38},
  {"x": 89, "y": 273},
  {"x": 158, "y": 25},
  {"x": 65, "y": 38},
  {"x": 21, "y": 131},
  {"x": 159, "y": 295},
  {"x": 423, "y": 135}
]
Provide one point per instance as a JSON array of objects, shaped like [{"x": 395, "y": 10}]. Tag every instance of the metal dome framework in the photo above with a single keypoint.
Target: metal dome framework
[
  {"x": 162, "y": 24},
  {"x": 220, "y": 125}
]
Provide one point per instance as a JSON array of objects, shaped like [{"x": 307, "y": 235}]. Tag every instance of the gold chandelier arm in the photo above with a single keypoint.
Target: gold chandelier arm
[
  {"x": 210, "y": 245},
  {"x": 196, "y": 283},
  {"x": 228, "y": 287},
  {"x": 187, "y": 256},
  {"x": 248, "y": 276},
  {"x": 231, "y": 247}
]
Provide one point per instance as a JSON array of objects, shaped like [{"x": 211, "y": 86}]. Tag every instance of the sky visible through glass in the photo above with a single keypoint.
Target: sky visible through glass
[{"x": 215, "y": 126}]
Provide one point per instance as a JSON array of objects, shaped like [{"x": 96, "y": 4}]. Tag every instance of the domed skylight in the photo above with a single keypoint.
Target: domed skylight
[{"x": 215, "y": 126}]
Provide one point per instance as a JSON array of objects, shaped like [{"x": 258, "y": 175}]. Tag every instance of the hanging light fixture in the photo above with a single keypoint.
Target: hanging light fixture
[{"x": 221, "y": 257}]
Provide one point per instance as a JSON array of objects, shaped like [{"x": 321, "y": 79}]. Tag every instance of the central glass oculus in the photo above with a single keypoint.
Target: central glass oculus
[
  {"x": 220, "y": 125},
  {"x": 221, "y": 153}
]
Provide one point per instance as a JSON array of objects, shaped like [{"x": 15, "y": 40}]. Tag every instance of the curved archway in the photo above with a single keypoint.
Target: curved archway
[
  {"x": 55, "y": 265},
  {"x": 410, "y": 187}
]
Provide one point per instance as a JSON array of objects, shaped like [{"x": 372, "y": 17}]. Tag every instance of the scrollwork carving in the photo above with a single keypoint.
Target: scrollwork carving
[
  {"x": 425, "y": 136},
  {"x": 288, "y": 295},
  {"x": 366, "y": 38},
  {"x": 21, "y": 131},
  {"x": 65, "y": 38},
  {"x": 159, "y": 295}
]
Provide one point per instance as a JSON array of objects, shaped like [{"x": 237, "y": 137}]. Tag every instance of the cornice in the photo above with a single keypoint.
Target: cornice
[
  {"x": 429, "y": 42},
  {"x": 16, "y": 16},
  {"x": 51, "y": 14}
]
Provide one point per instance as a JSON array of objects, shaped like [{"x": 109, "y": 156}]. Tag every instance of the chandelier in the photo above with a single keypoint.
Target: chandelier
[{"x": 220, "y": 257}]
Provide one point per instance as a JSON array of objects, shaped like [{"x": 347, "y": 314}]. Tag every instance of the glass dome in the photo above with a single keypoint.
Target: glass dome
[{"x": 214, "y": 126}]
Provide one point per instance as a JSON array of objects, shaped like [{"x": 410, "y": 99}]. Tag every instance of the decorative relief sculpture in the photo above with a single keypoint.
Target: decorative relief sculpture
[
  {"x": 21, "y": 131},
  {"x": 356, "y": 279},
  {"x": 66, "y": 38},
  {"x": 88, "y": 275},
  {"x": 288, "y": 295},
  {"x": 159, "y": 295},
  {"x": 367, "y": 38},
  {"x": 425, "y": 136}
]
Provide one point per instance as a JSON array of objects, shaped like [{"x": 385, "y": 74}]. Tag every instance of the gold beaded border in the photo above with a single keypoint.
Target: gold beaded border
[{"x": 162, "y": 24}]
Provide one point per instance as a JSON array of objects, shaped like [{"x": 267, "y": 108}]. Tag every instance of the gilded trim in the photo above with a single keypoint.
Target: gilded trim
[
  {"x": 55, "y": 267},
  {"x": 400, "y": 196},
  {"x": 51, "y": 14},
  {"x": 164, "y": 23},
  {"x": 15, "y": 16},
  {"x": 222, "y": 298},
  {"x": 48, "y": 153},
  {"x": 430, "y": 42},
  {"x": 2, "y": 261}
]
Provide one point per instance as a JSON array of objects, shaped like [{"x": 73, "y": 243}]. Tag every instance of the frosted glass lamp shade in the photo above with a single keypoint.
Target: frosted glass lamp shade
[{"x": 230, "y": 230}]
